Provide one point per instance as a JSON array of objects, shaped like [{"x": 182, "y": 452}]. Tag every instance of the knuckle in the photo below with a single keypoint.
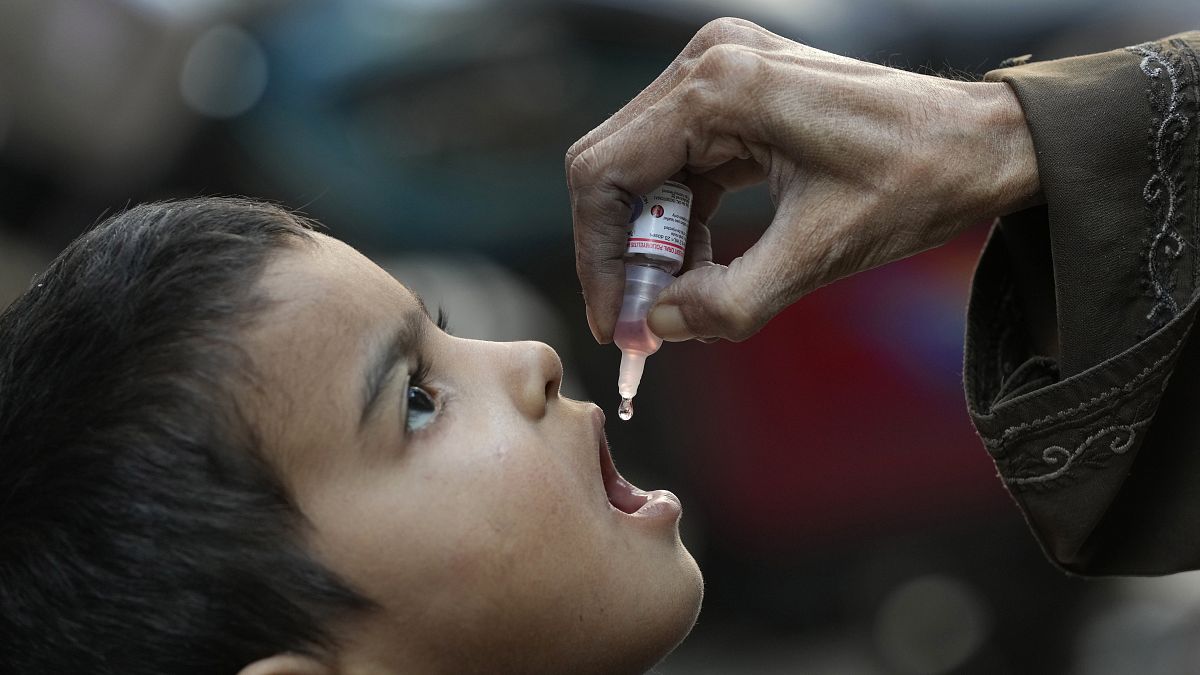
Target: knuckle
[
  {"x": 740, "y": 325},
  {"x": 737, "y": 314},
  {"x": 572, "y": 153},
  {"x": 580, "y": 159},
  {"x": 567, "y": 161},
  {"x": 581, "y": 168},
  {"x": 741, "y": 25},
  {"x": 728, "y": 64},
  {"x": 701, "y": 97},
  {"x": 718, "y": 31},
  {"x": 710, "y": 33},
  {"x": 719, "y": 83}
]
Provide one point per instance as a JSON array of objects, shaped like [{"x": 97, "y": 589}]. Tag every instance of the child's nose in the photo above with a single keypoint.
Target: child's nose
[{"x": 538, "y": 373}]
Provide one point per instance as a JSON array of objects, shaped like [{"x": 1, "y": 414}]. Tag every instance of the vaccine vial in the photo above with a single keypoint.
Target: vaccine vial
[{"x": 657, "y": 237}]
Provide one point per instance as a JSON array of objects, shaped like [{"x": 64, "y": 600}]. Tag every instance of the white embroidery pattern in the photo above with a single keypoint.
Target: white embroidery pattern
[
  {"x": 1162, "y": 192},
  {"x": 1122, "y": 435}
]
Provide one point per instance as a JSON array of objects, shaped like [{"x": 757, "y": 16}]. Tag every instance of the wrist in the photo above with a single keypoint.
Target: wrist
[{"x": 1009, "y": 161}]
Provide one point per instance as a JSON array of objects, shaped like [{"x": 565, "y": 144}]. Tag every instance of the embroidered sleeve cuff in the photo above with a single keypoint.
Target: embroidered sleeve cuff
[
  {"x": 1065, "y": 447},
  {"x": 1081, "y": 312}
]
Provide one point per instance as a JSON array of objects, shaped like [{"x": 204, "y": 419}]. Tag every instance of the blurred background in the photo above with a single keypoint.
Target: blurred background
[{"x": 846, "y": 516}]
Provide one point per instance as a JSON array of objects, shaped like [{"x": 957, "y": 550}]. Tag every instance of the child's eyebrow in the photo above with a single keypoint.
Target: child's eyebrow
[{"x": 403, "y": 341}]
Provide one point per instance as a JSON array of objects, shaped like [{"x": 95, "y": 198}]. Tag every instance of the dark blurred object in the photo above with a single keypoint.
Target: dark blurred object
[
  {"x": 444, "y": 124},
  {"x": 98, "y": 102},
  {"x": 90, "y": 89}
]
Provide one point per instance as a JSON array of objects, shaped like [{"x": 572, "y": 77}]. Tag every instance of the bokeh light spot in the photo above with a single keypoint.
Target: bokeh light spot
[
  {"x": 224, "y": 74},
  {"x": 931, "y": 625}
]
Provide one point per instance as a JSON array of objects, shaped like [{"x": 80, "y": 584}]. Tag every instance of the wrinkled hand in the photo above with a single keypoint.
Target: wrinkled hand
[{"x": 865, "y": 164}]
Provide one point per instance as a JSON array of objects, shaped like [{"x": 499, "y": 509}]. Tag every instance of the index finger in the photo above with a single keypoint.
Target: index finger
[
  {"x": 725, "y": 30},
  {"x": 606, "y": 179}
]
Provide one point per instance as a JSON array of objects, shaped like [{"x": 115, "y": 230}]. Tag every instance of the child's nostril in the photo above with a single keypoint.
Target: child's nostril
[{"x": 551, "y": 389}]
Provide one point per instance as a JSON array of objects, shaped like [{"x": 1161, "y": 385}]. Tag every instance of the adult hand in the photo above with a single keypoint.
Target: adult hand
[{"x": 865, "y": 164}]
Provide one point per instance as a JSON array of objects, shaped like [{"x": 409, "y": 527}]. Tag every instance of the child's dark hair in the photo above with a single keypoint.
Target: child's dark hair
[{"x": 140, "y": 529}]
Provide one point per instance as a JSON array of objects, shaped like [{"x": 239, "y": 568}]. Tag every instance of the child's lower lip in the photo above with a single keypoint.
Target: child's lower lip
[{"x": 658, "y": 505}]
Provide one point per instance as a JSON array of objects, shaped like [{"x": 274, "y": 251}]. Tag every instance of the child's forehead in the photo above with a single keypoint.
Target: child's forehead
[
  {"x": 327, "y": 305},
  {"x": 332, "y": 277}
]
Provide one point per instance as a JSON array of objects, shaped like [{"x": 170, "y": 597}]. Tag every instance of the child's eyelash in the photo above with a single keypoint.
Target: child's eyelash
[{"x": 420, "y": 375}]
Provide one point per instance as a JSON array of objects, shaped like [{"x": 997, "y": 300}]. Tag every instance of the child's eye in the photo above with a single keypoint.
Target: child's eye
[{"x": 421, "y": 408}]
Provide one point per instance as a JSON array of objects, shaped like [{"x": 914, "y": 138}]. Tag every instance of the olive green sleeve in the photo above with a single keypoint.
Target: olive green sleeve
[{"x": 1081, "y": 375}]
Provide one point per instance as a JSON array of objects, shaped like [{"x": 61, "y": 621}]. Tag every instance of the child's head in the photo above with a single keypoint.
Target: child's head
[{"x": 226, "y": 437}]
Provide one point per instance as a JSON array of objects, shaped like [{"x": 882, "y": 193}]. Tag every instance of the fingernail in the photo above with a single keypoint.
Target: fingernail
[{"x": 667, "y": 322}]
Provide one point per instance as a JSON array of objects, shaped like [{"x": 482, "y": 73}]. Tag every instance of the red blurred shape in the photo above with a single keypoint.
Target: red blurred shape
[{"x": 811, "y": 429}]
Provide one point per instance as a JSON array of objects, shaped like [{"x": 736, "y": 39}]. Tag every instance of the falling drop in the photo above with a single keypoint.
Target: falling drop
[{"x": 625, "y": 411}]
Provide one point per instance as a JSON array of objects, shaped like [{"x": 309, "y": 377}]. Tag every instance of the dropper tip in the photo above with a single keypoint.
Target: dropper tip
[
  {"x": 625, "y": 410},
  {"x": 632, "y": 365}
]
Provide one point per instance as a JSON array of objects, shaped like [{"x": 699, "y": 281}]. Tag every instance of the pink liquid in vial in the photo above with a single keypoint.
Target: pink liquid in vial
[{"x": 635, "y": 336}]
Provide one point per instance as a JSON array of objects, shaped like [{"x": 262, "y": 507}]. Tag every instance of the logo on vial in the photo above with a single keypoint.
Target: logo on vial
[{"x": 657, "y": 211}]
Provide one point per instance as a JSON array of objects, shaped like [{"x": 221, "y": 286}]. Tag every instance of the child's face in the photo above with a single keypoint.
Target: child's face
[{"x": 471, "y": 507}]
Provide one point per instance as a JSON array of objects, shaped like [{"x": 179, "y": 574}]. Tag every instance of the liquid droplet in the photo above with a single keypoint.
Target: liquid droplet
[{"x": 625, "y": 411}]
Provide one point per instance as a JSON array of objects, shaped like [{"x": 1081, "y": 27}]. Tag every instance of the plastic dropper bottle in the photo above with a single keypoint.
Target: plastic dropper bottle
[{"x": 657, "y": 236}]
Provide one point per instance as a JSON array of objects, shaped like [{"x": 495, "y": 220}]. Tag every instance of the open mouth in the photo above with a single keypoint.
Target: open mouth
[
  {"x": 623, "y": 495},
  {"x": 628, "y": 498}
]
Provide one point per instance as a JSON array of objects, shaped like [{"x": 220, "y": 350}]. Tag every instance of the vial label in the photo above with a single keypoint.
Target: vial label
[{"x": 660, "y": 222}]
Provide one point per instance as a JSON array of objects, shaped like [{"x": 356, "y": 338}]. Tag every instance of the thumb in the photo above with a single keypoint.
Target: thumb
[
  {"x": 734, "y": 302},
  {"x": 709, "y": 302}
]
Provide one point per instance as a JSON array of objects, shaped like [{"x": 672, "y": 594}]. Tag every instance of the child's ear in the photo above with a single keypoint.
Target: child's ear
[{"x": 287, "y": 664}]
